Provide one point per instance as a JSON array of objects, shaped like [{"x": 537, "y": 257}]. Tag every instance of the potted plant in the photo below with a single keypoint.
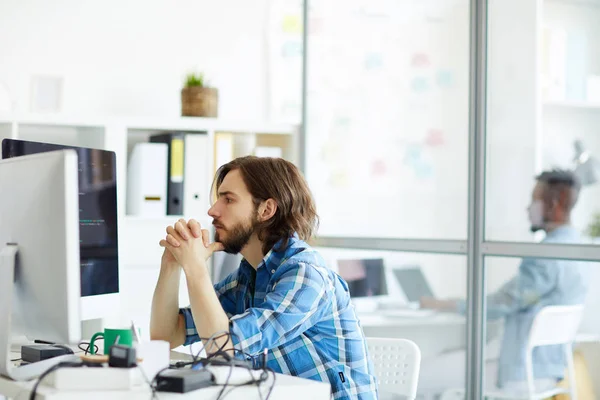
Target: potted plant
[{"x": 198, "y": 99}]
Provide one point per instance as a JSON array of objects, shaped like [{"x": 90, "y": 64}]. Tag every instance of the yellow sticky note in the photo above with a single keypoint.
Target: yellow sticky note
[
  {"x": 177, "y": 160},
  {"x": 292, "y": 24}
]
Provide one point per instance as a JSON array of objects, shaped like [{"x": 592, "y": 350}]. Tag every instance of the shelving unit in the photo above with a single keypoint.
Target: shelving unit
[{"x": 139, "y": 236}]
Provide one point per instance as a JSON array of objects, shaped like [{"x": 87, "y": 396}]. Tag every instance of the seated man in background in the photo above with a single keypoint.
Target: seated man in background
[
  {"x": 539, "y": 283},
  {"x": 282, "y": 298}
]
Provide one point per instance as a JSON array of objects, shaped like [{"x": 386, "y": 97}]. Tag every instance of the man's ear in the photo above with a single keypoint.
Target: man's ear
[{"x": 267, "y": 210}]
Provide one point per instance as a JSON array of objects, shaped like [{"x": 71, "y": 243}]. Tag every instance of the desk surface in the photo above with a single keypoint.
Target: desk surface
[
  {"x": 437, "y": 319},
  {"x": 286, "y": 388}
]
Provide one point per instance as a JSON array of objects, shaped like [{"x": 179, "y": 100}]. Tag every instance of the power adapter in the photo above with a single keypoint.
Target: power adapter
[
  {"x": 183, "y": 380},
  {"x": 38, "y": 352}
]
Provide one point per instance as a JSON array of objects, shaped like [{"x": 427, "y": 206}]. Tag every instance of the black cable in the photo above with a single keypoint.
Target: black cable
[
  {"x": 87, "y": 349},
  {"x": 16, "y": 359},
  {"x": 38, "y": 341},
  {"x": 253, "y": 381},
  {"x": 272, "y": 384},
  {"x": 226, "y": 383},
  {"x": 67, "y": 348},
  {"x": 152, "y": 387},
  {"x": 50, "y": 370},
  {"x": 210, "y": 340},
  {"x": 212, "y": 359}
]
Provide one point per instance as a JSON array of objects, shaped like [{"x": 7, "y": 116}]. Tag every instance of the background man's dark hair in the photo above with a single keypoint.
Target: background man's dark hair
[
  {"x": 562, "y": 187},
  {"x": 280, "y": 180}
]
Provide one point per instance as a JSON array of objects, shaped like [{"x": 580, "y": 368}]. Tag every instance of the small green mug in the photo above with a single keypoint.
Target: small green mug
[{"x": 113, "y": 336}]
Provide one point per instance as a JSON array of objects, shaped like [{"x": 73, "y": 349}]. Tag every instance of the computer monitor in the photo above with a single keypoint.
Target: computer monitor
[
  {"x": 99, "y": 264},
  {"x": 39, "y": 254},
  {"x": 413, "y": 284},
  {"x": 365, "y": 277}
]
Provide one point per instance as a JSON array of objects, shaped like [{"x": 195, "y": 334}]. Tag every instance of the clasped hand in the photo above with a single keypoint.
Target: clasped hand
[{"x": 189, "y": 244}]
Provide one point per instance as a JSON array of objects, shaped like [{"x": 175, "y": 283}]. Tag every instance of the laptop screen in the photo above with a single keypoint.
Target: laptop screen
[{"x": 413, "y": 283}]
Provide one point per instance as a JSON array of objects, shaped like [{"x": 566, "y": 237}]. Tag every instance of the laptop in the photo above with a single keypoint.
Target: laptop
[{"x": 414, "y": 284}]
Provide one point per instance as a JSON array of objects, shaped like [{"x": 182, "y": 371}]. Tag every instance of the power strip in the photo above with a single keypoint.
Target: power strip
[{"x": 95, "y": 378}]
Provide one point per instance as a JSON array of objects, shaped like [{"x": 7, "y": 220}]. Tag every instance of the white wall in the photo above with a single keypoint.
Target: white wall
[
  {"x": 130, "y": 57},
  {"x": 563, "y": 125}
]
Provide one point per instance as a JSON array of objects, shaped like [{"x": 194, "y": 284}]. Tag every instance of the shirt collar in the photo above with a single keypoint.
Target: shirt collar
[
  {"x": 275, "y": 257},
  {"x": 562, "y": 230}
]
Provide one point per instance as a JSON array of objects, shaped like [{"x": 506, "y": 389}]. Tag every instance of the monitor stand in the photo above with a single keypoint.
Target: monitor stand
[{"x": 8, "y": 262}]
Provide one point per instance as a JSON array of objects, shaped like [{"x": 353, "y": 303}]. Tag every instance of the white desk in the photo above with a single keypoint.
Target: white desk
[
  {"x": 286, "y": 388},
  {"x": 434, "y": 334}
]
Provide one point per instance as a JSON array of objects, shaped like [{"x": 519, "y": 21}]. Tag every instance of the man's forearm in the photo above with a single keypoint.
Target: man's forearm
[
  {"x": 165, "y": 304},
  {"x": 207, "y": 311}
]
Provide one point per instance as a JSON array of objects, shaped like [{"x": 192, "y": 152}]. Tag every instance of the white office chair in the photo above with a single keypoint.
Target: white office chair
[
  {"x": 397, "y": 363},
  {"x": 553, "y": 325}
]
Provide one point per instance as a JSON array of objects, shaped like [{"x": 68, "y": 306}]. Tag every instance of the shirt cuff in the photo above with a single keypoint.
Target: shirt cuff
[{"x": 191, "y": 334}]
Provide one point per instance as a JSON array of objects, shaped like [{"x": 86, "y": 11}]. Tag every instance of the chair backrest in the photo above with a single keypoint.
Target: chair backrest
[
  {"x": 397, "y": 363},
  {"x": 555, "y": 325}
]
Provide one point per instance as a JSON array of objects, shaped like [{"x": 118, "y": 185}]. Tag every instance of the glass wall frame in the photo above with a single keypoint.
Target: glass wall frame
[{"x": 476, "y": 248}]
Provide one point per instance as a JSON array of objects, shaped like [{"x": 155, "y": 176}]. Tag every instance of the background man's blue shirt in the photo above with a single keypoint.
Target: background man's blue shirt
[{"x": 539, "y": 283}]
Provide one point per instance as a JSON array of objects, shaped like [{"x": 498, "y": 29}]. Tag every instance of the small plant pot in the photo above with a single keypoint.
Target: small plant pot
[{"x": 199, "y": 102}]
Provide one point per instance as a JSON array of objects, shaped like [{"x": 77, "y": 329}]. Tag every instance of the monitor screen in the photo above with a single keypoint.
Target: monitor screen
[
  {"x": 365, "y": 277},
  {"x": 97, "y": 212}
]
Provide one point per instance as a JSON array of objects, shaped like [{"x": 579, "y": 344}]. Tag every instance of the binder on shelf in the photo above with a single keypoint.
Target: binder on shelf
[
  {"x": 175, "y": 160},
  {"x": 196, "y": 188},
  {"x": 187, "y": 173},
  {"x": 146, "y": 180}
]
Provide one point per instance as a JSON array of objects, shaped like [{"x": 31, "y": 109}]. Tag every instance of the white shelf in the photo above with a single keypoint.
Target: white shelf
[
  {"x": 201, "y": 124},
  {"x": 52, "y": 120},
  {"x": 190, "y": 124},
  {"x": 583, "y": 105}
]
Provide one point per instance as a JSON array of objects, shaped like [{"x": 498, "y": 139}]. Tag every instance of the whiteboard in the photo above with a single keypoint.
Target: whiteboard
[{"x": 387, "y": 117}]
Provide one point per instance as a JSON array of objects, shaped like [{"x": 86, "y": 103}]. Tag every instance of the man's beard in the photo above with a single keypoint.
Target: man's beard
[
  {"x": 536, "y": 228},
  {"x": 237, "y": 237}
]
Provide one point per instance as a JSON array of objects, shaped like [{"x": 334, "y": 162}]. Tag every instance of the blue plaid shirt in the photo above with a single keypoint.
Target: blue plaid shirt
[{"x": 300, "y": 310}]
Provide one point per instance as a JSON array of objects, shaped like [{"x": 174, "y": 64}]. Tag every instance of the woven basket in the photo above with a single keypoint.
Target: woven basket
[{"x": 199, "y": 102}]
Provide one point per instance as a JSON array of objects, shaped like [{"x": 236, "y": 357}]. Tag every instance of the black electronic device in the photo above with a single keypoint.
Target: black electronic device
[
  {"x": 183, "y": 380},
  {"x": 121, "y": 356},
  {"x": 38, "y": 352}
]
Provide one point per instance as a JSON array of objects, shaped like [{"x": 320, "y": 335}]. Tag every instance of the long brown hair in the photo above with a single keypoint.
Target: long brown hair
[{"x": 280, "y": 180}]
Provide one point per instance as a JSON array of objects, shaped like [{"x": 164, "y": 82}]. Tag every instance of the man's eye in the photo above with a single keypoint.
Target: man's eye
[{"x": 228, "y": 200}]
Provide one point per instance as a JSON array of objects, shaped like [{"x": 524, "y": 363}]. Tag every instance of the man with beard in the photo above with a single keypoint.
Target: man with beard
[
  {"x": 539, "y": 283},
  {"x": 282, "y": 299}
]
